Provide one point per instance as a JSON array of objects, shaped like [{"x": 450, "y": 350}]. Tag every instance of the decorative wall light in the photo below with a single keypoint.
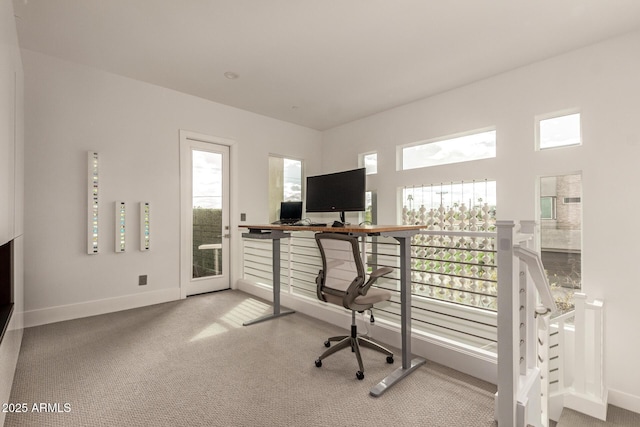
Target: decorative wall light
[
  {"x": 121, "y": 214},
  {"x": 93, "y": 202},
  {"x": 145, "y": 225}
]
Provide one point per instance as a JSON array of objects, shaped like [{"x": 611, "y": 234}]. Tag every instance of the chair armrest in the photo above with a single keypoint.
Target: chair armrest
[
  {"x": 381, "y": 272},
  {"x": 373, "y": 277}
]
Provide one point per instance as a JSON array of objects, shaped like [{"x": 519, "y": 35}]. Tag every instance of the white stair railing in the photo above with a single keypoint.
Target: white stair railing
[
  {"x": 524, "y": 303},
  {"x": 578, "y": 370},
  {"x": 555, "y": 350},
  {"x": 588, "y": 393},
  {"x": 543, "y": 328}
]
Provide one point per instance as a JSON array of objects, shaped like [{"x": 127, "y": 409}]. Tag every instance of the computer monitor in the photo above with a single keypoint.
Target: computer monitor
[
  {"x": 290, "y": 211},
  {"x": 337, "y": 192}
]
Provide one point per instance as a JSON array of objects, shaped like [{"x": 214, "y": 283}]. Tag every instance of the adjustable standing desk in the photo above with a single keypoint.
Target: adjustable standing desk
[
  {"x": 402, "y": 233},
  {"x": 273, "y": 233}
]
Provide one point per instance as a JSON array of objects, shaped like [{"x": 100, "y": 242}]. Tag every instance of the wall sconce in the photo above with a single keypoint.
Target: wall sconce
[
  {"x": 145, "y": 226},
  {"x": 92, "y": 202},
  {"x": 121, "y": 216}
]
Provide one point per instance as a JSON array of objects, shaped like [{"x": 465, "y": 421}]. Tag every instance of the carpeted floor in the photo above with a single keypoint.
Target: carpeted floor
[
  {"x": 616, "y": 417},
  {"x": 192, "y": 363}
]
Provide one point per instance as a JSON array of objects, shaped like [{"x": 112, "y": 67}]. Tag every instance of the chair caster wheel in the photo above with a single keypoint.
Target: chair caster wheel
[
  {"x": 327, "y": 343},
  {"x": 389, "y": 359},
  {"x": 318, "y": 363},
  {"x": 360, "y": 375}
]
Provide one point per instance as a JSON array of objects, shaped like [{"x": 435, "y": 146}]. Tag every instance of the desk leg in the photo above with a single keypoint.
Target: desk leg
[
  {"x": 408, "y": 365},
  {"x": 275, "y": 243}
]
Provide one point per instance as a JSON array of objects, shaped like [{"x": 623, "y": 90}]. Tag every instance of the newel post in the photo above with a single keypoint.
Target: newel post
[{"x": 508, "y": 326}]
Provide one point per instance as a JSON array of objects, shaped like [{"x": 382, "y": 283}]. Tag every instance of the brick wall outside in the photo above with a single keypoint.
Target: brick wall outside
[{"x": 569, "y": 216}]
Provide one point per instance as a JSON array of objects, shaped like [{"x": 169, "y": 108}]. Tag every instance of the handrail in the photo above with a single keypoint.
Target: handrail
[
  {"x": 536, "y": 269},
  {"x": 521, "y": 398},
  {"x": 564, "y": 316}
]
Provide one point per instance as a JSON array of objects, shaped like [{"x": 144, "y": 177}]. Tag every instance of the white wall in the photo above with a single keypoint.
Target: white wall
[
  {"x": 134, "y": 126},
  {"x": 7, "y": 115},
  {"x": 11, "y": 186},
  {"x": 602, "y": 81}
]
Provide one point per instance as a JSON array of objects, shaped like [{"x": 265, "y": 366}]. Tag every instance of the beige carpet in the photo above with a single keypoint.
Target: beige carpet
[
  {"x": 616, "y": 417},
  {"x": 191, "y": 363}
]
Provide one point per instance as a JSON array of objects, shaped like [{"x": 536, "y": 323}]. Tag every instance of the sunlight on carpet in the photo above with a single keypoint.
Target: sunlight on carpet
[{"x": 247, "y": 310}]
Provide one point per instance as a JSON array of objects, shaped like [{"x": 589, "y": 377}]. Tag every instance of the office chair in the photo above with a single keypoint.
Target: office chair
[{"x": 342, "y": 282}]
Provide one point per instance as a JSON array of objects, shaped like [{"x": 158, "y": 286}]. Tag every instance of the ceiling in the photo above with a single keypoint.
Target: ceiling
[{"x": 316, "y": 63}]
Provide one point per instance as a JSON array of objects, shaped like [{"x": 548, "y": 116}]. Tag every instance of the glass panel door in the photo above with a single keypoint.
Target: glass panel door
[
  {"x": 206, "y": 228},
  {"x": 205, "y": 215}
]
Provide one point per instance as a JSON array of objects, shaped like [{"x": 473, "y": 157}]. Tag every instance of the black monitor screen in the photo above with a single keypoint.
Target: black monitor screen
[
  {"x": 337, "y": 192},
  {"x": 291, "y": 210}
]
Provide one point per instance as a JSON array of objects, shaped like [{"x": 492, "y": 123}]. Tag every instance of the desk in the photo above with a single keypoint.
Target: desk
[
  {"x": 401, "y": 233},
  {"x": 273, "y": 234}
]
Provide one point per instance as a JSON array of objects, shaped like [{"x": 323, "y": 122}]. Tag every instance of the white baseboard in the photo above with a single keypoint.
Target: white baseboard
[
  {"x": 587, "y": 404},
  {"x": 430, "y": 347},
  {"x": 624, "y": 400},
  {"x": 96, "y": 307}
]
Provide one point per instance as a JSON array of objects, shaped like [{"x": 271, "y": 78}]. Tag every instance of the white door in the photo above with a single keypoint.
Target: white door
[{"x": 204, "y": 251}]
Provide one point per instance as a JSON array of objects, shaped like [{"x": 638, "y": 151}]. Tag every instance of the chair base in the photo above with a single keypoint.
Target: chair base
[{"x": 354, "y": 341}]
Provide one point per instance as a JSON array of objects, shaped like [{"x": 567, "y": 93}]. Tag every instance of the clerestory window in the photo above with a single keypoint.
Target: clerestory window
[
  {"x": 444, "y": 151},
  {"x": 558, "y": 131}
]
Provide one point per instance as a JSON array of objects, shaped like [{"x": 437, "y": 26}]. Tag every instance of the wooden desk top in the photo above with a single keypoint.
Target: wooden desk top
[{"x": 368, "y": 229}]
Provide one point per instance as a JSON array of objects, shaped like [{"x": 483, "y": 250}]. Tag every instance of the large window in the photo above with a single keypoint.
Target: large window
[
  {"x": 457, "y": 269},
  {"x": 561, "y": 235},
  {"x": 473, "y": 146},
  {"x": 460, "y": 196},
  {"x": 559, "y": 131},
  {"x": 285, "y": 183}
]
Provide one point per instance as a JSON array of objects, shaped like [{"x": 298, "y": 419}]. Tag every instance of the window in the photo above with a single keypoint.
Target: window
[
  {"x": 561, "y": 235},
  {"x": 454, "y": 268},
  {"x": 475, "y": 146},
  {"x": 547, "y": 207},
  {"x": 457, "y": 201},
  {"x": 285, "y": 183},
  {"x": 370, "y": 215},
  {"x": 559, "y": 131},
  {"x": 370, "y": 162}
]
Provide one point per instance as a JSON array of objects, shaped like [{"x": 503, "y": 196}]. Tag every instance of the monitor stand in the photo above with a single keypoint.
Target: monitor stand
[{"x": 340, "y": 223}]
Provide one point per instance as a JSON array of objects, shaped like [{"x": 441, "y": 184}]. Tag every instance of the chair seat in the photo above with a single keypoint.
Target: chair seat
[{"x": 374, "y": 296}]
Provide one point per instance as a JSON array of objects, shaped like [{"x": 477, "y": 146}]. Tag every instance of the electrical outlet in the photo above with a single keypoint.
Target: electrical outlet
[
  {"x": 142, "y": 280},
  {"x": 243, "y": 217}
]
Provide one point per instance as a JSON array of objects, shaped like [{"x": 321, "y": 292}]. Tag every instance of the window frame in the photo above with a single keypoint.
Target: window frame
[
  {"x": 555, "y": 115},
  {"x": 362, "y": 163},
  {"x": 400, "y": 150},
  {"x": 274, "y": 215}
]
